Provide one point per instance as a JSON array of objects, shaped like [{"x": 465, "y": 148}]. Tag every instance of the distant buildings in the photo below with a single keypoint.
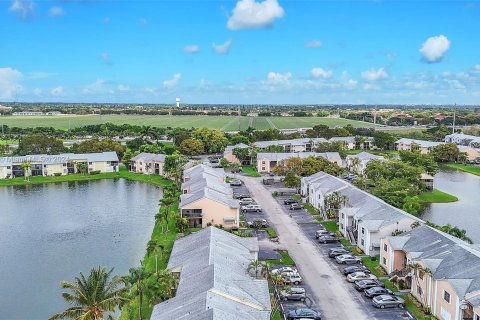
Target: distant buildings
[
  {"x": 207, "y": 199},
  {"x": 58, "y": 165},
  {"x": 463, "y": 139},
  {"x": 266, "y": 162},
  {"x": 292, "y": 145},
  {"x": 37, "y": 113},
  {"x": 214, "y": 282},
  {"x": 471, "y": 147},
  {"x": 148, "y": 163}
]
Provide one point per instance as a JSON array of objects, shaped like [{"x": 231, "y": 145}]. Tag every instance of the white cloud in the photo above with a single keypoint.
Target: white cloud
[
  {"x": 98, "y": 86},
  {"x": 314, "y": 44},
  {"x": 434, "y": 48},
  {"x": 249, "y": 14},
  {"x": 276, "y": 78},
  {"x": 476, "y": 68},
  {"x": 9, "y": 82},
  {"x": 170, "y": 83},
  {"x": 143, "y": 22},
  {"x": 150, "y": 90},
  {"x": 193, "y": 48},
  {"x": 106, "y": 58},
  {"x": 321, "y": 73},
  {"x": 374, "y": 74},
  {"x": 37, "y": 91},
  {"x": 123, "y": 88},
  {"x": 222, "y": 48},
  {"x": 56, "y": 11},
  {"x": 24, "y": 8},
  {"x": 58, "y": 91}
]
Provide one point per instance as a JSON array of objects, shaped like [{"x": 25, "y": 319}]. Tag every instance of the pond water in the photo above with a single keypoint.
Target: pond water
[
  {"x": 464, "y": 213},
  {"x": 51, "y": 232}
]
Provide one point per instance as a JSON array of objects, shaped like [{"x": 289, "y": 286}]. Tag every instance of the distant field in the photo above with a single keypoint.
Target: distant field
[{"x": 219, "y": 122}]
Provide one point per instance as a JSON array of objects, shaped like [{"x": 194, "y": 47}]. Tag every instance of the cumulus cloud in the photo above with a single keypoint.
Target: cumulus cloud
[
  {"x": 23, "y": 8},
  {"x": 276, "y": 78},
  {"x": 374, "y": 74},
  {"x": 222, "y": 48},
  {"x": 171, "y": 83},
  {"x": 476, "y": 68},
  {"x": 249, "y": 14},
  {"x": 98, "y": 86},
  {"x": 193, "y": 48},
  {"x": 434, "y": 48},
  {"x": 321, "y": 73},
  {"x": 313, "y": 44},
  {"x": 123, "y": 88},
  {"x": 58, "y": 91},
  {"x": 9, "y": 82},
  {"x": 56, "y": 11}
]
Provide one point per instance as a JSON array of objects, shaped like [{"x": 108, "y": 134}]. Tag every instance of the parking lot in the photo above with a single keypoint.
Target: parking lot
[{"x": 308, "y": 226}]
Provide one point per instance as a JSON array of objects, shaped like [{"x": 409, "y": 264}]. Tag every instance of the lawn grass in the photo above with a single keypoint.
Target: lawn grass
[
  {"x": 415, "y": 309},
  {"x": 8, "y": 141},
  {"x": 374, "y": 266},
  {"x": 271, "y": 232},
  {"x": 437, "y": 196},
  {"x": 250, "y": 171},
  {"x": 470, "y": 168},
  {"x": 307, "y": 206},
  {"x": 330, "y": 225},
  {"x": 225, "y": 123},
  {"x": 285, "y": 259}
]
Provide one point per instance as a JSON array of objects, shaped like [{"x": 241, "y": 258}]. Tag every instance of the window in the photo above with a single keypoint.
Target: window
[
  {"x": 363, "y": 230},
  {"x": 385, "y": 247},
  {"x": 90, "y": 163},
  {"x": 263, "y": 162},
  {"x": 362, "y": 242},
  {"x": 8, "y": 167},
  {"x": 384, "y": 261},
  {"x": 420, "y": 291},
  {"x": 446, "y": 296},
  {"x": 263, "y": 168}
]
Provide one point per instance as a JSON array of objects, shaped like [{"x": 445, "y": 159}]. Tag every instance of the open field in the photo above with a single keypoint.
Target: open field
[
  {"x": 470, "y": 168},
  {"x": 218, "y": 122}
]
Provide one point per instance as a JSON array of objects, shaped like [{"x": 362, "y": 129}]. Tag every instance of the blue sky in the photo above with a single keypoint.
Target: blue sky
[{"x": 244, "y": 51}]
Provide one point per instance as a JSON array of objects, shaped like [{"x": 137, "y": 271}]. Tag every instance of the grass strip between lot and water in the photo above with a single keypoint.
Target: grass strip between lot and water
[
  {"x": 437, "y": 196},
  {"x": 470, "y": 168},
  {"x": 250, "y": 171}
]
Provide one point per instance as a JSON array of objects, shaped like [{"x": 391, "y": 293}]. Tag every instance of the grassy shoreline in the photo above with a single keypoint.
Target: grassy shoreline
[
  {"x": 470, "y": 168},
  {"x": 437, "y": 196}
]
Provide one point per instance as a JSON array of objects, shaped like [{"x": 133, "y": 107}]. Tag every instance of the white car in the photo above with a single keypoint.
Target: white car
[
  {"x": 292, "y": 278},
  {"x": 251, "y": 207},
  {"x": 283, "y": 270},
  {"x": 357, "y": 276}
]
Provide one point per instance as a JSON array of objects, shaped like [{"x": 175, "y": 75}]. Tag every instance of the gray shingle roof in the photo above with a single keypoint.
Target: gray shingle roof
[
  {"x": 448, "y": 257},
  {"x": 209, "y": 193},
  {"x": 60, "y": 158},
  {"x": 237, "y": 146},
  {"x": 293, "y": 142},
  {"x": 421, "y": 143},
  {"x": 365, "y": 156},
  {"x": 302, "y": 155},
  {"x": 145, "y": 156},
  {"x": 196, "y": 184},
  {"x": 214, "y": 284}
]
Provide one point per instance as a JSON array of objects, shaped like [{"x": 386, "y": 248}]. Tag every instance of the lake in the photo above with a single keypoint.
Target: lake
[
  {"x": 464, "y": 213},
  {"x": 51, "y": 232}
]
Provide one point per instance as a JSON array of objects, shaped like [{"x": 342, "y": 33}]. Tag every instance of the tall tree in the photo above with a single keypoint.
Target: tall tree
[
  {"x": 419, "y": 160},
  {"x": 192, "y": 147},
  {"x": 94, "y": 297},
  {"x": 136, "y": 279},
  {"x": 39, "y": 144},
  {"x": 174, "y": 165},
  {"x": 213, "y": 140},
  {"x": 95, "y": 145}
]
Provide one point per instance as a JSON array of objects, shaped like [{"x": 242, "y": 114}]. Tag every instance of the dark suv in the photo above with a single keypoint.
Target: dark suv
[
  {"x": 289, "y": 201},
  {"x": 303, "y": 313}
]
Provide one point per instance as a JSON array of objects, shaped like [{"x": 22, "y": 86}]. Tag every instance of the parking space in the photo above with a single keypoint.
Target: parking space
[{"x": 299, "y": 215}]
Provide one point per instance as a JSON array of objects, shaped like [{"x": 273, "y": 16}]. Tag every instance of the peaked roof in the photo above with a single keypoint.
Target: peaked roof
[
  {"x": 145, "y": 156},
  {"x": 272, "y": 156},
  {"x": 237, "y": 146},
  {"x": 363, "y": 156},
  {"x": 300, "y": 141},
  {"x": 214, "y": 283},
  {"x": 421, "y": 143}
]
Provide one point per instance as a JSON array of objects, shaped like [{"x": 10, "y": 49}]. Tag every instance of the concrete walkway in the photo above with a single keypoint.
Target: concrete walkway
[{"x": 332, "y": 293}]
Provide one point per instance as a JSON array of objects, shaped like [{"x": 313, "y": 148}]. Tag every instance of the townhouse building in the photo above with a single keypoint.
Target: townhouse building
[
  {"x": 58, "y": 165},
  {"x": 463, "y": 139},
  {"x": 148, "y": 163},
  {"x": 351, "y": 142},
  {"x": 292, "y": 145},
  {"x": 207, "y": 200},
  {"x": 266, "y": 162},
  {"x": 472, "y": 153},
  {"x": 441, "y": 270},
  {"x": 214, "y": 281},
  {"x": 358, "y": 162}
]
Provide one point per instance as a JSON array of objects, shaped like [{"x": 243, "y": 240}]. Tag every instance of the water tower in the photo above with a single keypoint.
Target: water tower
[{"x": 178, "y": 102}]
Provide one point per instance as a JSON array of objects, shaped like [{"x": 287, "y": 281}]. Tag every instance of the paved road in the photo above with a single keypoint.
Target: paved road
[{"x": 333, "y": 293}]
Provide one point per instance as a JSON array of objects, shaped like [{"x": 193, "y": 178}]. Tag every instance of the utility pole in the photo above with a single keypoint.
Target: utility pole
[{"x": 239, "y": 118}]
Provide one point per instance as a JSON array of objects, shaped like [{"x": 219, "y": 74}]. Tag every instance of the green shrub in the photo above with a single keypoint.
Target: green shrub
[
  {"x": 57, "y": 174},
  {"x": 94, "y": 172}
]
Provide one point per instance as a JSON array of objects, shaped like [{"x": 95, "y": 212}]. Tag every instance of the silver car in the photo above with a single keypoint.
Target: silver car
[
  {"x": 294, "y": 293},
  {"x": 388, "y": 301},
  {"x": 347, "y": 259}
]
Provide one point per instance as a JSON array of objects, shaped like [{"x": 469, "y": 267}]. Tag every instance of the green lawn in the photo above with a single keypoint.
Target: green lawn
[
  {"x": 225, "y": 123},
  {"x": 330, "y": 225},
  {"x": 8, "y": 141},
  {"x": 250, "y": 171},
  {"x": 307, "y": 206},
  {"x": 414, "y": 307},
  {"x": 470, "y": 168},
  {"x": 437, "y": 196},
  {"x": 374, "y": 266},
  {"x": 286, "y": 259}
]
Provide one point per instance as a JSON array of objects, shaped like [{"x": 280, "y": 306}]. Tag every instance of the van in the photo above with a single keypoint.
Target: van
[{"x": 251, "y": 208}]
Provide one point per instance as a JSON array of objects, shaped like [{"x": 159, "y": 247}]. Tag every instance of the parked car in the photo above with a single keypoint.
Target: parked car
[
  {"x": 333, "y": 252},
  {"x": 289, "y": 201},
  {"x": 323, "y": 232},
  {"x": 295, "y": 206},
  {"x": 303, "y": 313},
  {"x": 352, "y": 269},
  {"x": 388, "y": 301},
  {"x": 347, "y": 259},
  {"x": 251, "y": 208},
  {"x": 236, "y": 183},
  {"x": 352, "y": 277},
  {"x": 257, "y": 222},
  {"x": 292, "y": 278},
  {"x": 293, "y": 293},
  {"x": 246, "y": 201},
  {"x": 282, "y": 270},
  {"x": 376, "y": 291},
  {"x": 362, "y": 285},
  {"x": 240, "y": 196},
  {"x": 327, "y": 238}
]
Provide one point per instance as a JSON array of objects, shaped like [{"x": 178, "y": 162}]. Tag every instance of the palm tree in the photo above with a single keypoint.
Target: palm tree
[
  {"x": 417, "y": 271},
  {"x": 335, "y": 201},
  {"x": 91, "y": 298},
  {"x": 166, "y": 202},
  {"x": 136, "y": 279},
  {"x": 255, "y": 265},
  {"x": 415, "y": 224},
  {"x": 354, "y": 163},
  {"x": 27, "y": 168}
]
